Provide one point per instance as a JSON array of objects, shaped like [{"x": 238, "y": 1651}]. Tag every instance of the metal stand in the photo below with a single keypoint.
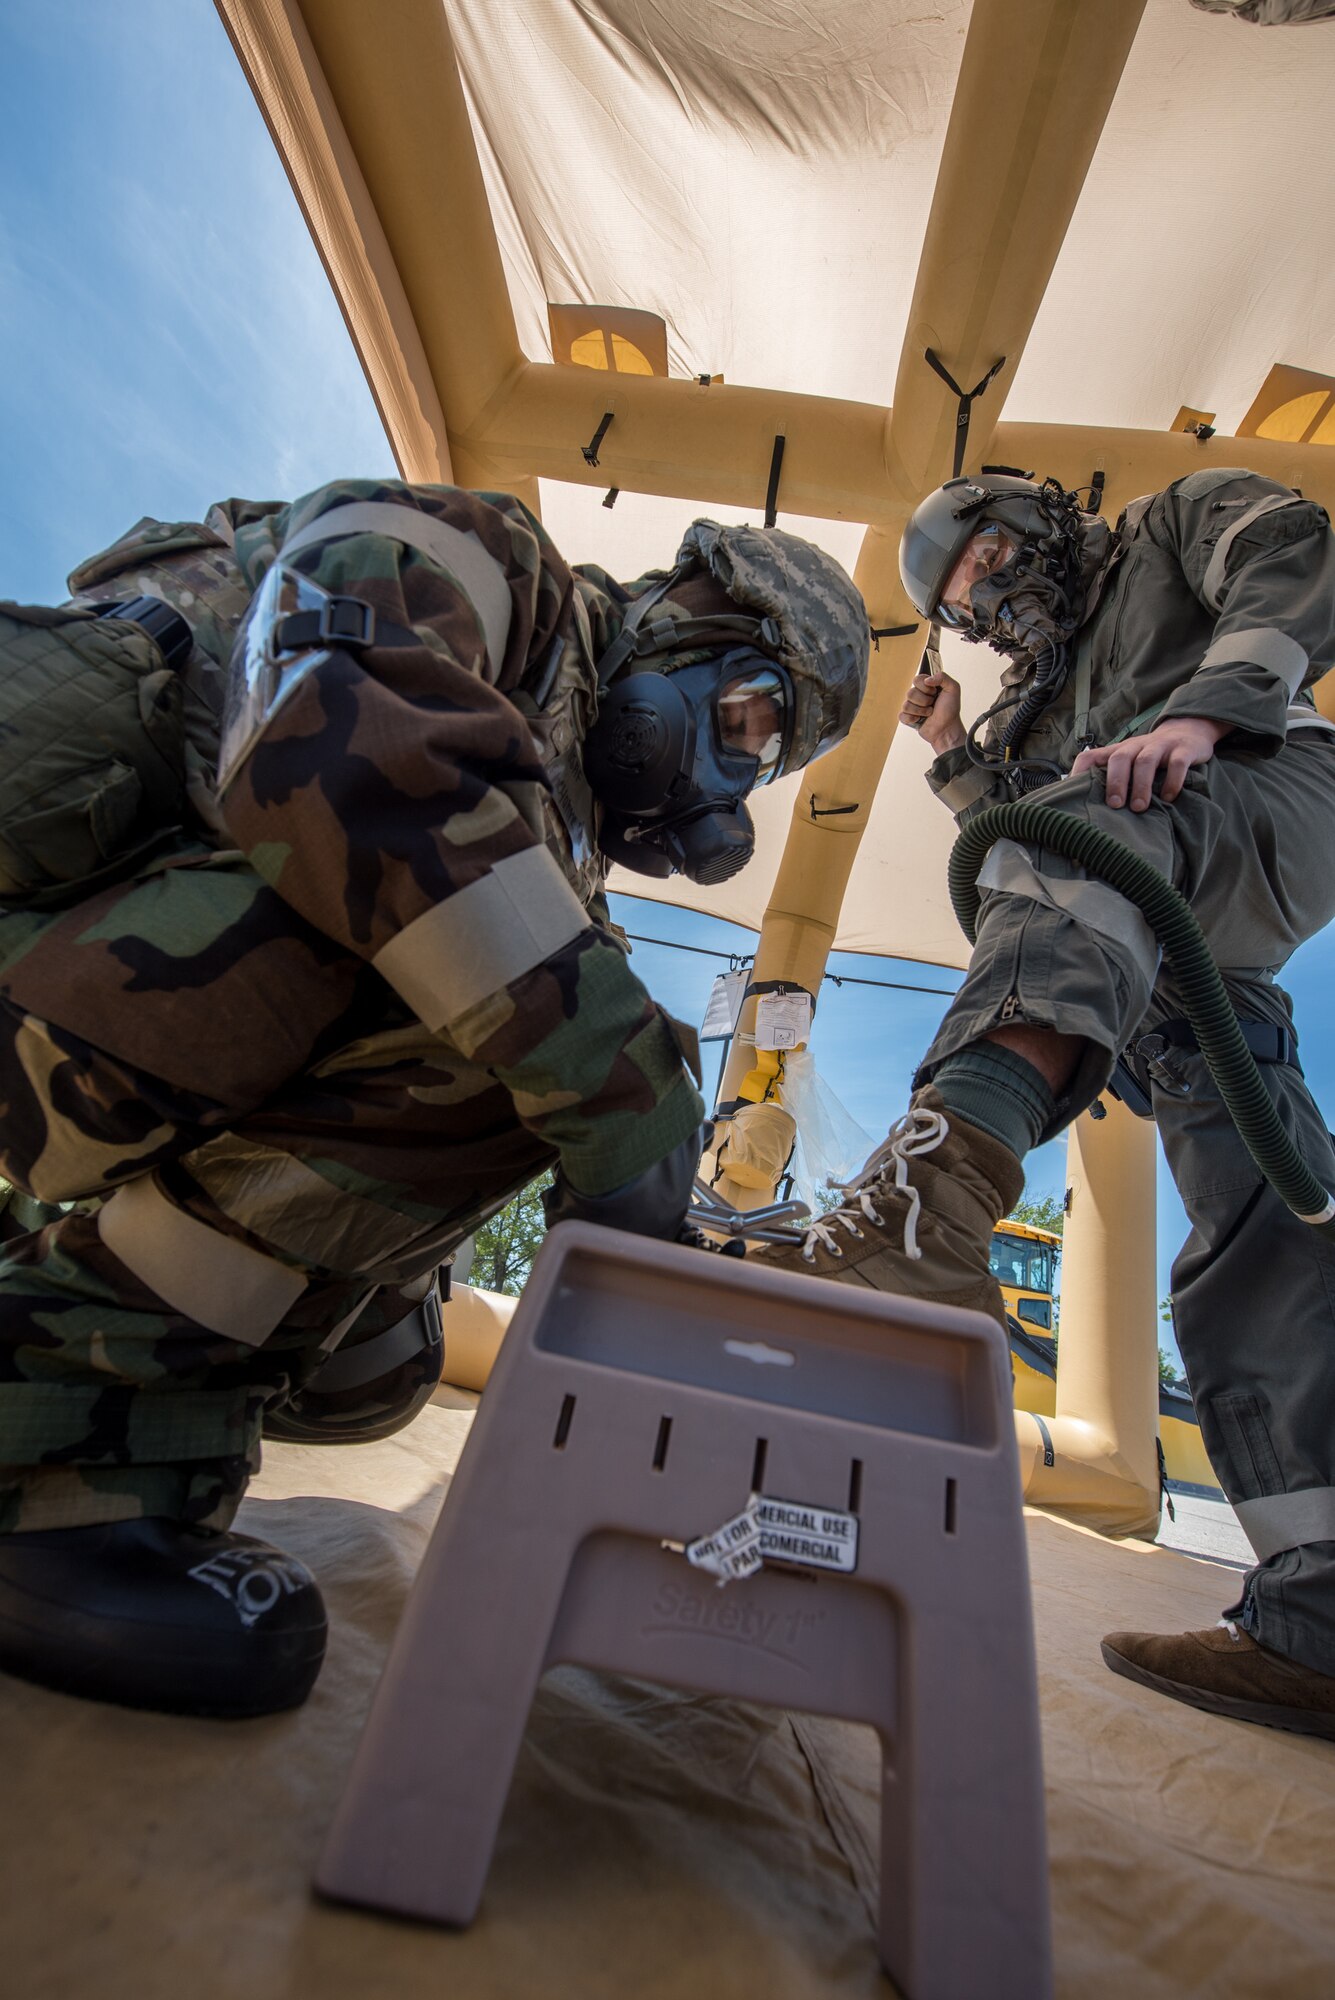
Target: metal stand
[{"x": 642, "y": 1393}]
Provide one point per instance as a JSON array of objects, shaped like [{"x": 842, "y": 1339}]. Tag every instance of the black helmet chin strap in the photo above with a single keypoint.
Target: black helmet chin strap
[{"x": 671, "y": 635}]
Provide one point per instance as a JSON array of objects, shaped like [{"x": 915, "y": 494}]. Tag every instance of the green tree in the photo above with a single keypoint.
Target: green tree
[
  {"x": 1168, "y": 1375},
  {"x": 505, "y": 1246},
  {"x": 1043, "y": 1211}
]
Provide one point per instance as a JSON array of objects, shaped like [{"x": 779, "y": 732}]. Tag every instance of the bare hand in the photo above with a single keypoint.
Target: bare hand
[
  {"x": 1131, "y": 767},
  {"x": 932, "y": 707}
]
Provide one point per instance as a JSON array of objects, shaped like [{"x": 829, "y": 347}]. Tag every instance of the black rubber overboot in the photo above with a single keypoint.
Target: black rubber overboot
[
  {"x": 370, "y": 1390},
  {"x": 152, "y": 1614}
]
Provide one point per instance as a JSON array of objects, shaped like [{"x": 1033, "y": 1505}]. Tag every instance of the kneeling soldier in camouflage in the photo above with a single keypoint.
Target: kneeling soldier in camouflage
[{"x": 285, "y": 1034}]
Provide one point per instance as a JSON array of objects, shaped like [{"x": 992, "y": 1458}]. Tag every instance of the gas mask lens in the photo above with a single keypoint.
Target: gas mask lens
[
  {"x": 752, "y": 719},
  {"x": 986, "y": 550}
]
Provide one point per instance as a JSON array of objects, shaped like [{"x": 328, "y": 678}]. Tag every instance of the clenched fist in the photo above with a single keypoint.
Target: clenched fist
[{"x": 932, "y": 707}]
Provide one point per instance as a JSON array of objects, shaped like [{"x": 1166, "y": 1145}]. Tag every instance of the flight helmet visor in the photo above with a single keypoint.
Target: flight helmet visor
[{"x": 989, "y": 548}]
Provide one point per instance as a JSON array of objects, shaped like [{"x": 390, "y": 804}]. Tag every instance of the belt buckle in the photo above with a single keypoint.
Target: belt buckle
[{"x": 347, "y": 621}]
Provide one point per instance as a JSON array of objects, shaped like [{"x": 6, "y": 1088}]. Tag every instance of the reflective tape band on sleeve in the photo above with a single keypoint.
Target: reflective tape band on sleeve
[
  {"x": 1212, "y": 586},
  {"x": 1288, "y": 1520},
  {"x": 215, "y": 1280},
  {"x": 1261, "y": 646},
  {"x": 1091, "y": 904},
  {"x": 957, "y": 793},
  {"x": 478, "y": 574},
  {"x": 1303, "y": 717},
  {"x": 478, "y": 940}
]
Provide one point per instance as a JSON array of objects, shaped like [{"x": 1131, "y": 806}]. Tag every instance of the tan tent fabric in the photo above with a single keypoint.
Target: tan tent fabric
[
  {"x": 761, "y": 179},
  {"x": 655, "y": 1844}
]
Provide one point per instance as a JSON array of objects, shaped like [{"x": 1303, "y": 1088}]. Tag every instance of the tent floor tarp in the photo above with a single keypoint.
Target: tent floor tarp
[{"x": 655, "y": 1843}]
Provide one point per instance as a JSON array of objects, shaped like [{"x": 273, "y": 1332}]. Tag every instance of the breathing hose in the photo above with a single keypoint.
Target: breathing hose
[{"x": 1204, "y": 998}]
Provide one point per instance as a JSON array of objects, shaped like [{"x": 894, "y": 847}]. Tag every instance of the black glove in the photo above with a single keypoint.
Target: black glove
[{"x": 653, "y": 1204}]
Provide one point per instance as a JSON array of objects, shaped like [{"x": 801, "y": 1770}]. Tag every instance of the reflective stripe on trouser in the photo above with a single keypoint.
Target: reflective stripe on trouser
[
  {"x": 114, "y": 1400},
  {"x": 1250, "y": 842},
  {"x": 1254, "y": 1315}
]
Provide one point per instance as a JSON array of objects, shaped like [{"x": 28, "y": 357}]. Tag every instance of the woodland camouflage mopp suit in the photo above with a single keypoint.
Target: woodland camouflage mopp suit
[
  {"x": 1202, "y": 621},
  {"x": 369, "y": 990}
]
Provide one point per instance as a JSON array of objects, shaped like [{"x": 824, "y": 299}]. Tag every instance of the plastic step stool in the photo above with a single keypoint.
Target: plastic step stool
[{"x": 643, "y": 1391}]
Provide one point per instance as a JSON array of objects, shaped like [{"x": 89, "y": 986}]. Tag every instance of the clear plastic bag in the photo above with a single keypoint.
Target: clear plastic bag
[{"x": 830, "y": 1144}]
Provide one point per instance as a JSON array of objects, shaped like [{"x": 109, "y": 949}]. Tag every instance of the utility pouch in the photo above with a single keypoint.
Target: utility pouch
[{"x": 92, "y": 753}]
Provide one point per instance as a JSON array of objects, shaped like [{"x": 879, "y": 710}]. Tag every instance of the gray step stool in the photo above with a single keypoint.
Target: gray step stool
[{"x": 643, "y": 1391}]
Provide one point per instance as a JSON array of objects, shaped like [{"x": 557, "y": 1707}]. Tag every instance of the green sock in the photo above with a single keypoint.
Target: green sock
[{"x": 999, "y": 1092}]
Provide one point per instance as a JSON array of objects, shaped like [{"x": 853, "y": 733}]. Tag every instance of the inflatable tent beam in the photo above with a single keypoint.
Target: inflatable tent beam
[{"x": 374, "y": 133}]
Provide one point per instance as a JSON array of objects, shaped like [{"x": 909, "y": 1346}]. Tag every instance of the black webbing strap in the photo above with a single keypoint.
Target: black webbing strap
[
  {"x": 1147, "y": 1061},
  {"x": 164, "y": 625},
  {"x": 346, "y": 622},
  {"x": 968, "y": 397},
  {"x": 756, "y": 986},
  {"x": 930, "y": 662},
  {"x": 1268, "y": 1041},
  {"x": 590, "y": 450},
  {"x": 879, "y": 632},
  {"x": 1049, "y": 1455},
  {"x": 772, "y": 492}
]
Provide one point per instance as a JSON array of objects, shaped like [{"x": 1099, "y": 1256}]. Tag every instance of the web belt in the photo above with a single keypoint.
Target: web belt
[{"x": 1268, "y": 1041}]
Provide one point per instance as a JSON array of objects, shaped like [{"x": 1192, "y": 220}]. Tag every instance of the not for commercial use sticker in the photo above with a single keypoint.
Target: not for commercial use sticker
[{"x": 789, "y": 1531}]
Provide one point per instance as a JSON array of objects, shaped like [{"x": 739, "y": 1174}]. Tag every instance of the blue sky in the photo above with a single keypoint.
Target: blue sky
[{"x": 167, "y": 338}]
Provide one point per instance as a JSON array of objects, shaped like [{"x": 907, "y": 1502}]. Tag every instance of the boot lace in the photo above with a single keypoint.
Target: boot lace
[{"x": 915, "y": 1133}]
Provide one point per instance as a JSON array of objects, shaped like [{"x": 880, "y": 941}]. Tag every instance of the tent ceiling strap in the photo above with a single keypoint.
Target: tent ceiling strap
[
  {"x": 879, "y": 632},
  {"x": 772, "y": 492},
  {"x": 828, "y": 812},
  {"x": 757, "y": 986},
  {"x": 930, "y": 662},
  {"x": 590, "y": 450},
  {"x": 968, "y": 397}
]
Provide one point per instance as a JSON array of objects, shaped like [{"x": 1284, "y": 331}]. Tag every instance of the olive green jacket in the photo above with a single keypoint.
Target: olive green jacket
[{"x": 1218, "y": 600}]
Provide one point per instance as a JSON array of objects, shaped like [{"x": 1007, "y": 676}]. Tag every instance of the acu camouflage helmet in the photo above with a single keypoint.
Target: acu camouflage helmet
[{"x": 817, "y": 623}]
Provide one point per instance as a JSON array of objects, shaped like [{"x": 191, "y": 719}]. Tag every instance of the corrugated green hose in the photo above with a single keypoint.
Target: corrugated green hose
[{"x": 1204, "y": 998}]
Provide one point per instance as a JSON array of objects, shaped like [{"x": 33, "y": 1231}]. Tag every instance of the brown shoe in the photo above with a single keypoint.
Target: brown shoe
[
  {"x": 918, "y": 1219},
  {"x": 1228, "y": 1673}
]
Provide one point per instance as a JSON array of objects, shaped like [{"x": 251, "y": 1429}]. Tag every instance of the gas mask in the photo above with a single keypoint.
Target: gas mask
[{"x": 673, "y": 756}]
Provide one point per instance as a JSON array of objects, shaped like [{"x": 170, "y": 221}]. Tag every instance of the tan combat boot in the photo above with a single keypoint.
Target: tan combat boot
[
  {"x": 1228, "y": 1673},
  {"x": 918, "y": 1218}
]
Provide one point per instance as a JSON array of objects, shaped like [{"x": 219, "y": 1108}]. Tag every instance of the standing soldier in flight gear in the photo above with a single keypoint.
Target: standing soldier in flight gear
[
  {"x": 288, "y": 1037},
  {"x": 1158, "y": 685}
]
